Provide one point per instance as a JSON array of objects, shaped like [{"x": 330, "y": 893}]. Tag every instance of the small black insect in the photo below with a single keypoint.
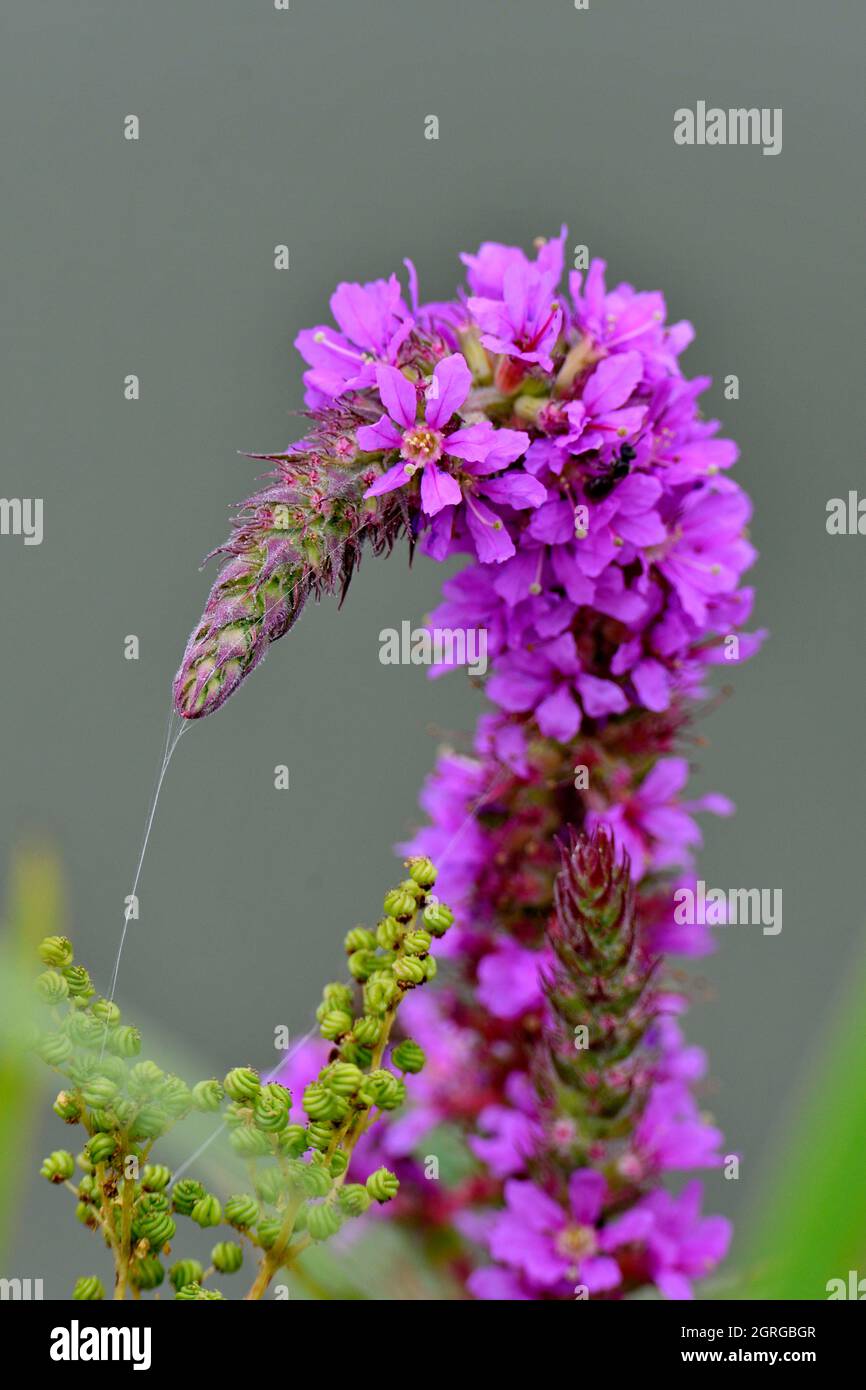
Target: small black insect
[{"x": 602, "y": 484}]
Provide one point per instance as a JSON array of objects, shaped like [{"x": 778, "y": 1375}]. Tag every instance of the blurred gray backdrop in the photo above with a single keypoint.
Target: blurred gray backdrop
[{"x": 306, "y": 128}]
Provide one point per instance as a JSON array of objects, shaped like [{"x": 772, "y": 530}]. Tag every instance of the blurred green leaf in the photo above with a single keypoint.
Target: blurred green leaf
[{"x": 810, "y": 1222}]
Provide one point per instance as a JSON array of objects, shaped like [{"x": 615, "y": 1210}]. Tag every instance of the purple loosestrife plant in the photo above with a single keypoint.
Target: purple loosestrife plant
[{"x": 552, "y": 438}]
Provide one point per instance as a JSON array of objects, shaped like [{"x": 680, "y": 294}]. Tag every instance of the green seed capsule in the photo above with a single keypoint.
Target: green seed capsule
[
  {"x": 388, "y": 933},
  {"x": 227, "y": 1257},
  {"x": 88, "y": 1289},
  {"x": 155, "y": 1177},
  {"x": 268, "y": 1230},
  {"x": 367, "y": 1030},
  {"x": 250, "y": 1143},
  {"x": 58, "y": 1166},
  {"x": 343, "y": 1077},
  {"x": 186, "y": 1272},
  {"x": 125, "y": 1041},
  {"x": 100, "y": 1148},
  {"x": 360, "y": 939},
  {"x": 54, "y": 1049},
  {"x": 185, "y": 1194},
  {"x": 323, "y": 1220},
  {"x": 207, "y": 1211},
  {"x": 99, "y": 1091},
  {"x": 399, "y": 903},
  {"x": 293, "y": 1140},
  {"x": 422, "y": 871},
  {"x": 382, "y": 1185},
  {"x": 354, "y": 1199},
  {"x": 416, "y": 943},
  {"x": 362, "y": 964},
  {"x": 438, "y": 918},
  {"x": 207, "y": 1095},
  {"x": 147, "y": 1272},
  {"x": 194, "y": 1293},
  {"x": 242, "y": 1211},
  {"x": 51, "y": 987},
  {"x": 105, "y": 1011},
  {"x": 55, "y": 950},
  {"x": 335, "y": 1023},
  {"x": 319, "y": 1134},
  {"x": 78, "y": 982},
  {"x": 408, "y": 970},
  {"x": 242, "y": 1083},
  {"x": 408, "y": 1056}
]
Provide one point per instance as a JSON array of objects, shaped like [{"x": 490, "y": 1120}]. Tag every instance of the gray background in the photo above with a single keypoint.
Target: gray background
[{"x": 156, "y": 258}]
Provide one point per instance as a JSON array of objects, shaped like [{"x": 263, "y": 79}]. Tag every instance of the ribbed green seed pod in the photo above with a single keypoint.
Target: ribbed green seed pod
[
  {"x": 54, "y": 1049},
  {"x": 145, "y": 1079},
  {"x": 422, "y": 871},
  {"x": 89, "y": 1290},
  {"x": 379, "y": 994},
  {"x": 100, "y": 1148},
  {"x": 185, "y": 1194},
  {"x": 382, "y": 1185},
  {"x": 389, "y": 933},
  {"x": 85, "y": 1215},
  {"x": 155, "y": 1177},
  {"x": 367, "y": 1030},
  {"x": 176, "y": 1097},
  {"x": 186, "y": 1272},
  {"x": 271, "y": 1185},
  {"x": 67, "y": 1108},
  {"x": 438, "y": 918},
  {"x": 103, "y": 1121},
  {"x": 342, "y": 1077},
  {"x": 88, "y": 1188},
  {"x": 408, "y": 970},
  {"x": 78, "y": 981},
  {"x": 385, "y": 1087},
  {"x": 84, "y": 1162},
  {"x": 268, "y": 1230},
  {"x": 319, "y": 1134},
  {"x": 335, "y": 1023},
  {"x": 354, "y": 1199},
  {"x": 147, "y": 1272},
  {"x": 227, "y": 1257},
  {"x": 242, "y": 1211},
  {"x": 313, "y": 1179},
  {"x": 105, "y": 1010},
  {"x": 337, "y": 996},
  {"x": 320, "y": 1103},
  {"x": 207, "y": 1095},
  {"x": 417, "y": 943},
  {"x": 194, "y": 1293},
  {"x": 408, "y": 1056},
  {"x": 85, "y": 1030},
  {"x": 58, "y": 1166},
  {"x": 359, "y": 939},
  {"x": 399, "y": 903},
  {"x": 362, "y": 964},
  {"x": 250, "y": 1143},
  {"x": 207, "y": 1211},
  {"x": 277, "y": 1094},
  {"x": 99, "y": 1091},
  {"x": 323, "y": 1220},
  {"x": 51, "y": 987},
  {"x": 270, "y": 1118},
  {"x": 356, "y": 1054},
  {"x": 338, "y": 1164},
  {"x": 157, "y": 1227},
  {"x": 293, "y": 1140},
  {"x": 242, "y": 1083},
  {"x": 150, "y": 1122},
  {"x": 431, "y": 967},
  {"x": 125, "y": 1041},
  {"x": 56, "y": 951}
]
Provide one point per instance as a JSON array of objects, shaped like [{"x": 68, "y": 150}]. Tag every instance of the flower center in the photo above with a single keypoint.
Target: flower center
[
  {"x": 576, "y": 1242},
  {"x": 422, "y": 445}
]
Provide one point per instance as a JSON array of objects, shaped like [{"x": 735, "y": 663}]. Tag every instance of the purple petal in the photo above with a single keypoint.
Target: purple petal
[
  {"x": 398, "y": 395},
  {"x": 438, "y": 490},
  {"x": 452, "y": 382}
]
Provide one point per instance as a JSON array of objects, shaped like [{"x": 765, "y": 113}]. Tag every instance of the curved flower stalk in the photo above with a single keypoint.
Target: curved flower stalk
[
  {"x": 553, "y": 439},
  {"x": 303, "y": 1191}
]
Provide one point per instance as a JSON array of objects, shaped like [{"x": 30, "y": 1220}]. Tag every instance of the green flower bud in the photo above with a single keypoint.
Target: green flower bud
[
  {"x": 293, "y": 1140},
  {"x": 383, "y": 1185},
  {"x": 207, "y": 1211},
  {"x": 249, "y": 1142},
  {"x": 438, "y": 918},
  {"x": 270, "y": 1118},
  {"x": 367, "y": 1030},
  {"x": 51, "y": 987},
  {"x": 362, "y": 964},
  {"x": 431, "y": 966},
  {"x": 322, "y": 1104},
  {"x": 335, "y": 996},
  {"x": 99, "y": 1091},
  {"x": 84, "y": 1162},
  {"x": 185, "y": 1194},
  {"x": 335, "y": 1023},
  {"x": 342, "y": 1077},
  {"x": 388, "y": 933},
  {"x": 89, "y": 1289},
  {"x": 88, "y": 1187},
  {"x": 55, "y": 950},
  {"x": 207, "y": 1095},
  {"x": 422, "y": 871},
  {"x": 399, "y": 903},
  {"x": 103, "y": 1121},
  {"x": 147, "y": 1272},
  {"x": 227, "y": 1257},
  {"x": 67, "y": 1108},
  {"x": 186, "y": 1272},
  {"x": 319, "y": 1134},
  {"x": 78, "y": 982},
  {"x": 313, "y": 1179},
  {"x": 412, "y": 888},
  {"x": 125, "y": 1041},
  {"x": 338, "y": 1164},
  {"x": 385, "y": 1089},
  {"x": 58, "y": 1166},
  {"x": 271, "y": 1186},
  {"x": 354, "y": 1199},
  {"x": 100, "y": 1148},
  {"x": 357, "y": 1055},
  {"x": 360, "y": 939},
  {"x": 323, "y": 1220},
  {"x": 54, "y": 1049},
  {"x": 155, "y": 1177},
  {"x": 194, "y": 1293},
  {"x": 157, "y": 1227},
  {"x": 277, "y": 1094},
  {"x": 242, "y": 1210},
  {"x": 268, "y": 1230},
  {"x": 105, "y": 1011},
  {"x": 150, "y": 1122},
  {"x": 408, "y": 1056},
  {"x": 84, "y": 1214},
  {"x": 409, "y": 971},
  {"x": 144, "y": 1080},
  {"x": 242, "y": 1083},
  {"x": 416, "y": 943}
]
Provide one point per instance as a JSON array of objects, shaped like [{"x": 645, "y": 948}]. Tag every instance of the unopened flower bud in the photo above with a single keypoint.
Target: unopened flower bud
[
  {"x": 88, "y": 1290},
  {"x": 54, "y": 1049},
  {"x": 354, "y": 1199},
  {"x": 382, "y": 1185},
  {"x": 227, "y": 1257},
  {"x": 207, "y": 1095},
  {"x": 125, "y": 1041},
  {"x": 58, "y": 1166},
  {"x": 422, "y": 870},
  {"x": 335, "y": 1024},
  {"x": 416, "y": 943},
  {"x": 360, "y": 939},
  {"x": 105, "y": 1011},
  {"x": 56, "y": 951},
  {"x": 194, "y": 1293},
  {"x": 207, "y": 1211},
  {"x": 51, "y": 987},
  {"x": 100, "y": 1148},
  {"x": 186, "y": 1272},
  {"x": 399, "y": 903},
  {"x": 78, "y": 981},
  {"x": 367, "y": 1030},
  {"x": 408, "y": 970},
  {"x": 438, "y": 918},
  {"x": 344, "y": 1078},
  {"x": 67, "y": 1107},
  {"x": 147, "y": 1272},
  {"x": 155, "y": 1177},
  {"x": 388, "y": 933},
  {"x": 408, "y": 1056},
  {"x": 185, "y": 1194},
  {"x": 242, "y": 1211},
  {"x": 242, "y": 1083},
  {"x": 362, "y": 964}
]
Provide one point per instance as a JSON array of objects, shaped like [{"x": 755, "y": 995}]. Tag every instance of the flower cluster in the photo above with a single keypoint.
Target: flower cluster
[
  {"x": 299, "y": 1165},
  {"x": 552, "y": 438}
]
